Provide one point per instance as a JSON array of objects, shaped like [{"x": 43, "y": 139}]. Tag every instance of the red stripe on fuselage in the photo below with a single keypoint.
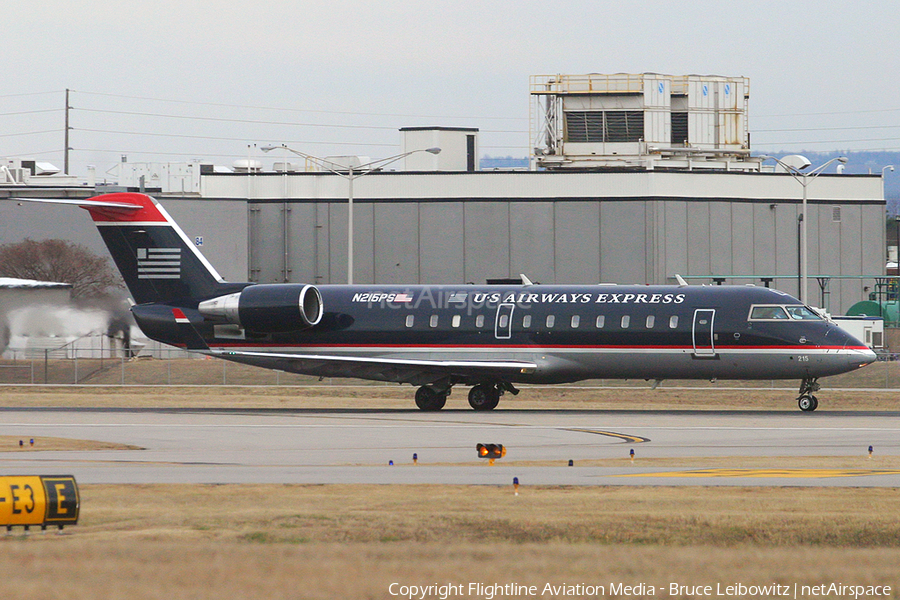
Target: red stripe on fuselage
[{"x": 524, "y": 346}]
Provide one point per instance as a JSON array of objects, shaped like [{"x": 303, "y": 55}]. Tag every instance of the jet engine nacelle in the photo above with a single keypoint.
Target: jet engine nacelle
[{"x": 268, "y": 308}]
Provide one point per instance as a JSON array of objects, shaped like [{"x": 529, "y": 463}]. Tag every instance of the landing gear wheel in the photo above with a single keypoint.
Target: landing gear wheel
[
  {"x": 428, "y": 398},
  {"x": 808, "y": 403},
  {"x": 484, "y": 397}
]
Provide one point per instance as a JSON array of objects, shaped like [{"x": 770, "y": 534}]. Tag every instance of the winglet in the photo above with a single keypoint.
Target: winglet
[
  {"x": 189, "y": 335},
  {"x": 680, "y": 280},
  {"x": 525, "y": 280}
]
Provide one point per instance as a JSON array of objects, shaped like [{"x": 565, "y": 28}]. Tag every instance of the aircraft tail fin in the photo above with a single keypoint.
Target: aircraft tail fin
[{"x": 156, "y": 259}]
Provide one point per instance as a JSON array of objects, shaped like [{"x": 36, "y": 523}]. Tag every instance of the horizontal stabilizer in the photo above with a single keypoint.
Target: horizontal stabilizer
[
  {"x": 86, "y": 204},
  {"x": 189, "y": 335}
]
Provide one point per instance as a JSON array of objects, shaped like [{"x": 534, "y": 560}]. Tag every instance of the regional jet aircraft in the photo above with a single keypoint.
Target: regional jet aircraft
[{"x": 487, "y": 337}]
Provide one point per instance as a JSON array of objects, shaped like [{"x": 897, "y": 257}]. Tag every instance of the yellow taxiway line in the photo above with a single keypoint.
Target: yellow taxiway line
[{"x": 797, "y": 473}]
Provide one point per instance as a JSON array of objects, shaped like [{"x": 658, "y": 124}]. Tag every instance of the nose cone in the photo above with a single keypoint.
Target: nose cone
[
  {"x": 862, "y": 357},
  {"x": 858, "y": 353}
]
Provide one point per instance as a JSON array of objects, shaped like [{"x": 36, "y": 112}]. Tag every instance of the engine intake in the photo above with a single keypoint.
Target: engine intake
[{"x": 268, "y": 308}]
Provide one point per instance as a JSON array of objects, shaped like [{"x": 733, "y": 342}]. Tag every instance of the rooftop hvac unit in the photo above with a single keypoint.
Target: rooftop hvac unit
[
  {"x": 45, "y": 168},
  {"x": 247, "y": 165}
]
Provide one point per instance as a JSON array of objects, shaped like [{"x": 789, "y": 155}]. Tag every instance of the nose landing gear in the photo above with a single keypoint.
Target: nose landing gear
[{"x": 807, "y": 402}]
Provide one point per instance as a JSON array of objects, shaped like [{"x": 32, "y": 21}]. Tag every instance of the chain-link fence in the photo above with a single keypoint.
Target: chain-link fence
[
  {"x": 107, "y": 362},
  {"x": 145, "y": 369},
  {"x": 100, "y": 360}
]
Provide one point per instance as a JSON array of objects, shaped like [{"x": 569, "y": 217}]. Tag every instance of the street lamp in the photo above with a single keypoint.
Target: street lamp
[
  {"x": 350, "y": 174},
  {"x": 883, "y": 169},
  {"x": 804, "y": 179}
]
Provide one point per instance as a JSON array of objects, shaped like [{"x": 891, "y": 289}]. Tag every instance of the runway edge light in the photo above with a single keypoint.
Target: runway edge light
[
  {"x": 43, "y": 500},
  {"x": 516, "y": 485}
]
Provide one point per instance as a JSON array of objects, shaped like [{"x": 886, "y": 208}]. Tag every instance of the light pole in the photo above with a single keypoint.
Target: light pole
[
  {"x": 350, "y": 174},
  {"x": 804, "y": 179},
  {"x": 896, "y": 217},
  {"x": 883, "y": 169}
]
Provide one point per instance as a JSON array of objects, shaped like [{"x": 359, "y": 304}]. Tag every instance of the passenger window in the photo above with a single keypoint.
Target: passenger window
[
  {"x": 673, "y": 322},
  {"x": 551, "y": 320},
  {"x": 526, "y": 321},
  {"x": 433, "y": 321},
  {"x": 601, "y": 321},
  {"x": 456, "y": 320},
  {"x": 626, "y": 321},
  {"x": 503, "y": 322},
  {"x": 576, "y": 320},
  {"x": 479, "y": 321},
  {"x": 651, "y": 321},
  {"x": 410, "y": 319}
]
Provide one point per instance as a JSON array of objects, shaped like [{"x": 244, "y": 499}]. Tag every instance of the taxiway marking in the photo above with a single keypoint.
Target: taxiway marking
[{"x": 794, "y": 473}]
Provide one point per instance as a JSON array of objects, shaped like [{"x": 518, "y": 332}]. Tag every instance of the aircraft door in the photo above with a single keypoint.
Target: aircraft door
[
  {"x": 704, "y": 344},
  {"x": 503, "y": 322}
]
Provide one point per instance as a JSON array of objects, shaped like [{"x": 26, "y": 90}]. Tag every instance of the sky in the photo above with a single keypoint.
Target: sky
[{"x": 175, "y": 81}]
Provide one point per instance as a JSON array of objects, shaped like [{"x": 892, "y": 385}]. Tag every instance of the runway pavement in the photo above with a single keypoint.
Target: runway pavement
[{"x": 356, "y": 446}]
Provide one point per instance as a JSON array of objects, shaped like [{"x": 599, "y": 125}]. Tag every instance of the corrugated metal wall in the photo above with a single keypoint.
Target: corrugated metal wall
[
  {"x": 568, "y": 228},
  {"x": 577, "y": 227}
]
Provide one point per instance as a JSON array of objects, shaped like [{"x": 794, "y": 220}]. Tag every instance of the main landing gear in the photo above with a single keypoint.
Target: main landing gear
[
  {"x": 484, "y": 396},
  {"x": 429, "y": 397},
  {"x": 807, "y": 402}
]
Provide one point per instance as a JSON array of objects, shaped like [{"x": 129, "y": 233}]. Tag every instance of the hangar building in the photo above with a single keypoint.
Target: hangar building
[{"x": 634, "y": 179}]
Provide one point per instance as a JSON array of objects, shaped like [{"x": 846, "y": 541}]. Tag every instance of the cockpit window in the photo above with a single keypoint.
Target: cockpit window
[
  {"x": 778, "y": 312},
  {"x": 801, "y": 312},
  {"x": 766, "y": 313}
]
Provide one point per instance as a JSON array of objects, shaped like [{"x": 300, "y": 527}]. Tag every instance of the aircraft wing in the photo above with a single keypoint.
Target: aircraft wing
[{"x": 401, "y": 370}]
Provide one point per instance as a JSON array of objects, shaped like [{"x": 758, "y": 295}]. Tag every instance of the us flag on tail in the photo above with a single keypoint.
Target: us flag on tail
[{"x": 159, "y": 263}]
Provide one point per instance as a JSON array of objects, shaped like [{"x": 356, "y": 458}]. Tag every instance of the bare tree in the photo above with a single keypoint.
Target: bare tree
[{"x": 60, "y": 261}]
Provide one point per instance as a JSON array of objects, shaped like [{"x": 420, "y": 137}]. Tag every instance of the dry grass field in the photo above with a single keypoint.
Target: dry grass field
[
  {"x": 345, "y": 541},
  {"x": 340, "y": 541}
]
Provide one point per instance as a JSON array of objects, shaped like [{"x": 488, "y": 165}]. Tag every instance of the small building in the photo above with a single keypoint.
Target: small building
[{"x": 18, "y": 294}]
